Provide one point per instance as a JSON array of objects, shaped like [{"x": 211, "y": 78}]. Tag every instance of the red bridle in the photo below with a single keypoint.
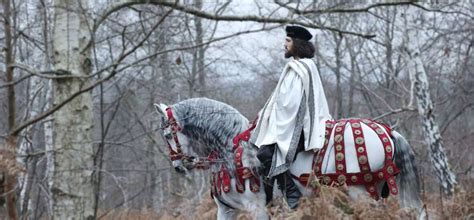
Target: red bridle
[{"x": 178, "y": 154}]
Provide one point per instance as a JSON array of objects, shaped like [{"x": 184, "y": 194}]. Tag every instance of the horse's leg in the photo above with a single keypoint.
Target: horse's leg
[
  {"x": 256, "y": 204},
  {"x": 223, "y": 211},
  {"x": 357, "y": 192}
]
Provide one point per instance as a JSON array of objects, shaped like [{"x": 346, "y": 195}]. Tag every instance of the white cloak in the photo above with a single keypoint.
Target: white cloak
[{"x": 297, "y": 105}]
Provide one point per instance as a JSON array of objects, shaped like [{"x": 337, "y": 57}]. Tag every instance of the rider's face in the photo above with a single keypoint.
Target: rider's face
[{"x": 288, "y": 47}]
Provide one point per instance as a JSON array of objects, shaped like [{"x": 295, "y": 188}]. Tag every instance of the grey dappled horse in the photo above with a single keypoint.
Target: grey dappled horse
[{"x": 204, "y": 127}]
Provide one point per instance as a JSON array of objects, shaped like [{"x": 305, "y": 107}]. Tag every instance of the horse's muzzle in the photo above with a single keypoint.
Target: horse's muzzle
[
  {"x": 179, "y": 167},
  {"x": 181, "y": 170}
]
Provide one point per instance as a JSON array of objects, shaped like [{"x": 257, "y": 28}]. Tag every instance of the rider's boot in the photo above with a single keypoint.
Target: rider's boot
[
  {"x": 289, "y": 189},
  {"x": 265, "y": 155}
]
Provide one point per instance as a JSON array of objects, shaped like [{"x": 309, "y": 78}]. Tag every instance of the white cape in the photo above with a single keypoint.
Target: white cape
[{"x": 297, "y": 106}]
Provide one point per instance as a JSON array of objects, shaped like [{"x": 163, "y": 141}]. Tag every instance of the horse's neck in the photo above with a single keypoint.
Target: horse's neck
[
  {"x": 222, "y": 150},
  {"x": 215, "y": 134}
]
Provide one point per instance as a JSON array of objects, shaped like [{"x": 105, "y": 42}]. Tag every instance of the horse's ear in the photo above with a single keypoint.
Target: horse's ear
[{"x": 161, "y": 109}]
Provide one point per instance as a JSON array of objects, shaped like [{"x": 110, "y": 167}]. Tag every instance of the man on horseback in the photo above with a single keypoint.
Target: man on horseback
[{"x": 294, "y": 116}]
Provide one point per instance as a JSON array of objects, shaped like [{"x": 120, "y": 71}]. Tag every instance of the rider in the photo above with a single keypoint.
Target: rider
[{"x": 293, "y": 117}]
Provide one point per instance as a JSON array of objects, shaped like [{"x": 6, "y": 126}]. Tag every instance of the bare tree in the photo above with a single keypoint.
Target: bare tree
[
  {"x": 419, "y": 79},
  {"x": 72, "y": 182},
  {"x": 10, "y": 151}
]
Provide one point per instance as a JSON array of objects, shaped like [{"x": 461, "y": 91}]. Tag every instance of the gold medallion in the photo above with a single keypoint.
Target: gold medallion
[
  {"x": 365, "y": 168},
  {"x": 339, "y": 156},
  {"x": 391, "y": 181},
  {"x": 327, "y": 179},
  {"x": 338, "y": 138},
  {"x": 390, "y": 170},
  {"x": 340, "y": 167},
  {"x": 379, "y": 131},
  {"x": 359, "y": 140},
  {"x": 368, "y": 177},
  {"x": 380, "y": 175},
  {"x": 341, "y": 179},
  {"x": 354, "y": 179}
]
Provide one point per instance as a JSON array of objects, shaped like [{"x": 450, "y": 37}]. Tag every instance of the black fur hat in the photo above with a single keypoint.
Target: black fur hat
[{"x": 298, "y": 32}]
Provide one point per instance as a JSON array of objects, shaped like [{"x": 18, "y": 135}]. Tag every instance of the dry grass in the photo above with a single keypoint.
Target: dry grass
[
  {"x": 332, "y": 203},
  {"x": 460, "y": 206}
]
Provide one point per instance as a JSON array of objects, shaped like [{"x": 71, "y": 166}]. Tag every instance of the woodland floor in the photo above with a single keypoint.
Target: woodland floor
[{"x": 332, "y": 203}]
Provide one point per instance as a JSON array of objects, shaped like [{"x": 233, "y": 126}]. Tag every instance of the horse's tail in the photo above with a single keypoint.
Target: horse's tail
[{"x": 408, "y": 180}]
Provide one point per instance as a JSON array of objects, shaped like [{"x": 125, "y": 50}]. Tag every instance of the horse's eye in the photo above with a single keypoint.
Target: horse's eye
[{"x": 168, "y": 136}]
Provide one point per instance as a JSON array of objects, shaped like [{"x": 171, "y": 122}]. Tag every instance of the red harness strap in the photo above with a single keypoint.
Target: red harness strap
[
  {"x": 206, "y": 163},
  {"x": 221, "y": 180},
  {"x": 244, "y": 173},
  {"x": 318, "y": 158},
  {"x": 339, "y": 152},
  {"x": 362, "y": 159},
  {"x": 244, "y": 136},
  {"x": 178, "y": 154},
  {"x": 389, "y": 171}
]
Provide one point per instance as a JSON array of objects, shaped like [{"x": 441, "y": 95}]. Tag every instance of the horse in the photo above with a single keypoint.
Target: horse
[{"x": 208, "y": 134}]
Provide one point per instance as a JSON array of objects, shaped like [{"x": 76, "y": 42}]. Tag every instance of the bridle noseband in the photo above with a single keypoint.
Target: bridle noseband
[{"x": 175, "y": 128}]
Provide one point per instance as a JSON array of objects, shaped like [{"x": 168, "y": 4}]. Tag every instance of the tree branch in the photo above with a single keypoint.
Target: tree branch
[
  {"x": 114, "y": 71},
  {"x": 217, "y": 17},
  {"x": 340, "y": 10},
  {"x": 395, "y": 111},
  {"x": 366, "y": 9}
]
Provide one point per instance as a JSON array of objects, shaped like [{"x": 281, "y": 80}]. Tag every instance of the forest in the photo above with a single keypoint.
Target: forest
[{"x": 79, "y": 135}]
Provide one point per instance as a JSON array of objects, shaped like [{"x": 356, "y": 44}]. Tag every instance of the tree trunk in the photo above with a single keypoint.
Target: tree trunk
[
  {"x": 431, "y": 132},
  {"x": 200, "y": 52},
  {"x": 10, "y": 178},
  {"x": 353, "y": 58},
  {"x": 337, "y": 50},
  {"x": 48, "y": 99},
  {"x": 72, "y": 187},
  {"x": 26, "y": 147}
]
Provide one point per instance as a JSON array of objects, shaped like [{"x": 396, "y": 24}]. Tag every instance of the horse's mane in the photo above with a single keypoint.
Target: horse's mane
[{"x": 211, "y": 124}]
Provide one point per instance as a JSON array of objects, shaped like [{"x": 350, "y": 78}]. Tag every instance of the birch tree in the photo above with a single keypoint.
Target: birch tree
[
  {"x": 72, "y": 186},
  {"x": 419, "y": 80}
]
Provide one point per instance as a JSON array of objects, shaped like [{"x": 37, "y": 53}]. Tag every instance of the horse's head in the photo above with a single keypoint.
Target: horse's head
[
  {"x": 199, "y": 133},
  {"x": 171, "y": 131}
]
